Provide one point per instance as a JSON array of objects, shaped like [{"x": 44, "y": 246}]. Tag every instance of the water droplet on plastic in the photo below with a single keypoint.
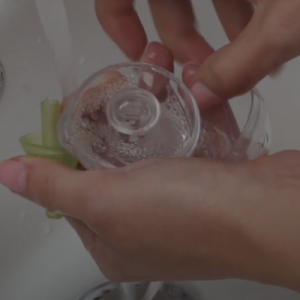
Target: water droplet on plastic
[
  {"x": 39, "y": 40},
  {"x": 25, "y": 62},
  {"x": 82, "y": 60}
]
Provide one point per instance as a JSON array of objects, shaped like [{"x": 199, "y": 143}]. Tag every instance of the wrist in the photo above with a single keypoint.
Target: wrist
[
  {"x": 266, "y": 211},
  {"x": 225, "y": 244}
]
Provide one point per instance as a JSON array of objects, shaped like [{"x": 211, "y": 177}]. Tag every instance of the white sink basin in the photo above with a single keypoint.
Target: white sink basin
[{"x": 42, "y": 259}]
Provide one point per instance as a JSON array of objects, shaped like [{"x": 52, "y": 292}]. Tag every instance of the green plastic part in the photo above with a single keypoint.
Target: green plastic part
[
  {"x": 54, "y": 215},
  {"x": 32, "y": 146},
  {"x": 46, "y": 144},
  {"x": 50, "y": 114}
]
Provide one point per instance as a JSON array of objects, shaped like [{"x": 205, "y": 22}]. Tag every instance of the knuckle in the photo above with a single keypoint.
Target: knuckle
[{"x": 224, "y": 81}]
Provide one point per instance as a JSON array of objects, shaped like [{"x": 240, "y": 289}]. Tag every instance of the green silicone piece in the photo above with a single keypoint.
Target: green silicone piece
[
  {"x": 54, "y": 215},
  {"x": 46, "y": 143},
  {"x": 50, "y": 114},
  {"x": 32, "y": 146}
]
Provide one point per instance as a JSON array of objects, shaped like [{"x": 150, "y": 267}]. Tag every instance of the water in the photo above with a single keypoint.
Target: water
[
  {"x": 55, "y": 23},
  {"x": 152, "y": 290},
  {"x": 128, "y": 291}
]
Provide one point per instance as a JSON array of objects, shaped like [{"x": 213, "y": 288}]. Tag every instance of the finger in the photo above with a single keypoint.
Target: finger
[
  {"x": 266, "y": 43},
  {"x": 175, "y": 23},
  {"x": 159, "y": 55},
  {"x": 236, "y": 68},
  {"x": 220, "y": 116},
  {"x": 121, "y": 22},
  {"x": 49, "y": 184},
  {"x": 151, "y": 80},
  {"x": 234, "y": 15},
  {"x": 188, "y": 71}
]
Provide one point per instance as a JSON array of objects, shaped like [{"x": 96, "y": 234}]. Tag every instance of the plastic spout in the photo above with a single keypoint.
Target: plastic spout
[{"x": 46, "y": 144}]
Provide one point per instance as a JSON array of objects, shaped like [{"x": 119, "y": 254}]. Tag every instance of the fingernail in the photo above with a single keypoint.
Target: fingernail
[
  {"x": 204, "y": 97},
  {"x": 190, "y": 68},
  {"x": 13, "y": 175},
  {"x": 149, "y": 53}
]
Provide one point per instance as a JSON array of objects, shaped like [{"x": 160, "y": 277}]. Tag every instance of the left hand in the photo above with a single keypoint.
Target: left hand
[
  {"x": 177, "y": 219},
  {"x": 155, "y": 220}
]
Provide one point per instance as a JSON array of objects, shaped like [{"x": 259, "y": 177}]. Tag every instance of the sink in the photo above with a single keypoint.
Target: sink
[{"x": 44, "y": 259}]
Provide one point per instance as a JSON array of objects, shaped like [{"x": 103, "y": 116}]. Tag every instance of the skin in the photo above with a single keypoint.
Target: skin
[
  {"x": 261, "y": 40},
  {"x": 187, "y": 219},
  {"x": 199, "y": 224}
]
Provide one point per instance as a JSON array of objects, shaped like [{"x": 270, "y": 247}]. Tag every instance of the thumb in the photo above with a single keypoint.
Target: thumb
[
  {"x": 235, "y": 68},
  {"x": 48, "y": 184}
]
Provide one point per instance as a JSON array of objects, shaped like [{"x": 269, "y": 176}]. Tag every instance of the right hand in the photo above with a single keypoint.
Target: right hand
[{"x": 261, "y": 40}]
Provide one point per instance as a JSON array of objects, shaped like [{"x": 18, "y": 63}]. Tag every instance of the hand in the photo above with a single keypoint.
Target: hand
[
  {"x": 262, "y": 39},
  {"x": 177, "y": 219},
  {"x": 155, "y": 220}
]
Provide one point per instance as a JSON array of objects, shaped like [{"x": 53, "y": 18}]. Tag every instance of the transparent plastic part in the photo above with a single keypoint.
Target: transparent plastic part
[
  {"x": 134, "y": 111},
  {"x": 127, "y": 113}
]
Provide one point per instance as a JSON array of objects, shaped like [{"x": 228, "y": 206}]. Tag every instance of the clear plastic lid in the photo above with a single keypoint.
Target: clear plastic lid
[
  {"x": 134, "y": 111},
  {"x": 129, "y": 112}
]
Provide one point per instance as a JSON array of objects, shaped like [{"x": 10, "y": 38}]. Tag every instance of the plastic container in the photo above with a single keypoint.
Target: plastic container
[{"x": 133, "y": 111}]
